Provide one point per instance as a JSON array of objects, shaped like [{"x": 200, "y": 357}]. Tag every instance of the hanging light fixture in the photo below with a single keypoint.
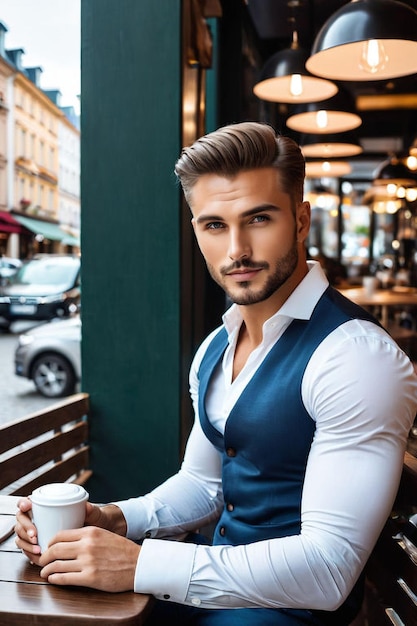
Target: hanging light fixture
[
  {"x": 327, "y": 169},
  {"x": 334, "y": 145},
  {"x": 321, "y": 197},
  {"x": 366, "y": 40},
  {"x": 393, "y": 184},
  {"x": 284, "y": 78},
  {"x": 335, "y": 115},
  {"x": 395, "y": 172}
]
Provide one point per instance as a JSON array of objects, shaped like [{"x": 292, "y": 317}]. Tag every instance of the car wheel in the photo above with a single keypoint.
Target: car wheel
[
  {"x": 53, "y": 376},
  {"x": 5, "y": 325}
]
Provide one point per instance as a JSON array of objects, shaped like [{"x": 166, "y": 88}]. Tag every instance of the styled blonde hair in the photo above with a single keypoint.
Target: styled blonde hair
[{"x": 239, "y": 147}]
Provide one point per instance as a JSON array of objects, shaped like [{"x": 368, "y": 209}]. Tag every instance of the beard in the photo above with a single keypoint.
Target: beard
[{"x": 245, "y": 293}]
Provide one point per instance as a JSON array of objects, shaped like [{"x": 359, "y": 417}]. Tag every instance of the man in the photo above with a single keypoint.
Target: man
[{"x": 303, "y": 406}]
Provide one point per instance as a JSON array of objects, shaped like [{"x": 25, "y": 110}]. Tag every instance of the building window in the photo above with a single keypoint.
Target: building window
[
  {"x": 42, "y": 152},
  {"x": 51, "y": 158},
  {"x": 23, "y": 142},
  {"x": 32, "y": 146}
]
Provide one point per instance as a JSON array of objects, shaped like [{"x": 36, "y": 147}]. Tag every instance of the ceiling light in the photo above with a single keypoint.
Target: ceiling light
[
  {"x": 396, "y": 172},
  {"x": 321, "y": 197},
  {"x": 366, "y": 40},
  {"x": 335, "y": 115},
  {"x": 329, "y": 146},
  {"x": 327, "y": 169},
  {"x": 284, "y": 78}
]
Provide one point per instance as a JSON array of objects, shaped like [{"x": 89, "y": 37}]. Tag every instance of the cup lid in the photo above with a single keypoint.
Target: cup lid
[{"x": 59, "y": 494}]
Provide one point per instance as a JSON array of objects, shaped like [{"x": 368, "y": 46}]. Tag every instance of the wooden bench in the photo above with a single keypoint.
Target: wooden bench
[{"x": 47, "y": 446}]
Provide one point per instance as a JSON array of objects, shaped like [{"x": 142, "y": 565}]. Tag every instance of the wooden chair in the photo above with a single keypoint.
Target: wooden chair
[{"x": 47, "y": 446}]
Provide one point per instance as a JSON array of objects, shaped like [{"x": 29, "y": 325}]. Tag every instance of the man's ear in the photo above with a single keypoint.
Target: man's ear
[{"x": 303, "y": 221}]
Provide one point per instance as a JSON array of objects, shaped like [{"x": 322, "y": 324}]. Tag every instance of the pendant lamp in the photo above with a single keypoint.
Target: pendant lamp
[
  {"x": 334, "y": 145},
  {"x": 394, "y": 171},
  {"x": 335, "y": 115},
  {"x": 366, "y": 40},
  {"x": 284, "y": 78},
  {"x": 327, "y": 169}
]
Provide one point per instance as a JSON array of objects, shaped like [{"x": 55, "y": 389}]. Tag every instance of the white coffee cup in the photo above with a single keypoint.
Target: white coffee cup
[
  {"x": 55, "y": 507},
  {"x": 370, "y": 284}
]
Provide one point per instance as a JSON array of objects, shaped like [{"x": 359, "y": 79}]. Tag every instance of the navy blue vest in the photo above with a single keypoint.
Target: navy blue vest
[{"x": 268, "y": 433}]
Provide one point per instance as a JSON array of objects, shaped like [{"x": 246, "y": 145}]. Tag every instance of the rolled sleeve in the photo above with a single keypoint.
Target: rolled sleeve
[{"x": 154, "y": 576}]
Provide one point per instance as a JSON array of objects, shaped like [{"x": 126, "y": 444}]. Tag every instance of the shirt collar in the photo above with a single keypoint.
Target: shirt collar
[{"x": 299, "y": 305}]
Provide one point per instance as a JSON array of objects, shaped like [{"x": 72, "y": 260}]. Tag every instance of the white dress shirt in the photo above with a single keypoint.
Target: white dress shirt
[{"x": 361, "y": 390}]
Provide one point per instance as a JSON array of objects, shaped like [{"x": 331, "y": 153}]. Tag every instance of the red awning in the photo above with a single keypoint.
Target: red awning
[{"x": 8, "y": 224}]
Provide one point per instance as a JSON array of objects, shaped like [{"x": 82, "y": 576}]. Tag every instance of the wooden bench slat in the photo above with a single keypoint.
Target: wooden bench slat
[
  {"x": 46, "y": 446},
  {"x": 62, "y": 472},
  {"x": 31, "y": 459},
  {"x": 20, "y": 431}
]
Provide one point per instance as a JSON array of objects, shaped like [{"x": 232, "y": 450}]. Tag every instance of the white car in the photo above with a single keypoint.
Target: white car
[
  {"x": 8, "y": 268},
  {"x": 50, "y": 355}
]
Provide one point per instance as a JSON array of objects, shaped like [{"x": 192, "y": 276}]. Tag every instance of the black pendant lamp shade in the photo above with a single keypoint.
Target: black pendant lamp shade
[
  {"x": 366, "y": 40},
  {"x": 336, "y": 115},
  {"x": 327, "y": 169},
  {"x": 329, "y": 146},
  {"x": 284, "y": 78},
  {"x": 395, "y": 171}
]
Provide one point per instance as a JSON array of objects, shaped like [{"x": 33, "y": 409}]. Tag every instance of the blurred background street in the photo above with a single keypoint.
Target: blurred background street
[{"x": 18, "y": 396}]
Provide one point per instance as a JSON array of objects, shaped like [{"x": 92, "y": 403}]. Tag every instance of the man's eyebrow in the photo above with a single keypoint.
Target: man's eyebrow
[{"x": 255, "y": 211}]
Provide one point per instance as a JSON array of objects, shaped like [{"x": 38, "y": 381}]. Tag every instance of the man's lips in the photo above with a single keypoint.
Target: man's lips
[{"x": 244, "y": 274}]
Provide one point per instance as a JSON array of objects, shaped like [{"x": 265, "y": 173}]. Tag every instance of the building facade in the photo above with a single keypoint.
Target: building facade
[{"x": 39, "y": 163}]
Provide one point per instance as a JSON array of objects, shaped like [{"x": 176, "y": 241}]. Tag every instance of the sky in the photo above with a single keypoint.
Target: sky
[{"x": 49, "y": 33}]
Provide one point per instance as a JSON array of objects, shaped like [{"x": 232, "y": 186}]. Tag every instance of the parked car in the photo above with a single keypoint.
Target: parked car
[
  {"x": 50, "y": 355},
  {"x": 44, "y": 287},
  {"x": 8, "y": 268}
]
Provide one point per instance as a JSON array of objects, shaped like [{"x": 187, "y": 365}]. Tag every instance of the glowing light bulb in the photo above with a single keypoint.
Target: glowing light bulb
[
  {"x": 321, "y": 119},
  {"x": 392, "y": 207},
  {"x": 411, "y": 194},
  {"x": 296, "y": 85},
  {"x": 412, "y": 162},
  {"x": 374, "y": 57}
]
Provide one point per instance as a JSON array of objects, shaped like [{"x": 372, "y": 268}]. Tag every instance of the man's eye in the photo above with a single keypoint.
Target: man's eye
[
  {"x": 214, "y": 225},
  {"x": 261, "y": 218}
]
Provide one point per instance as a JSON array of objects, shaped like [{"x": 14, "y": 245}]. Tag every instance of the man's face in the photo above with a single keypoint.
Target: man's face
[{"x": 248, "y": 233}]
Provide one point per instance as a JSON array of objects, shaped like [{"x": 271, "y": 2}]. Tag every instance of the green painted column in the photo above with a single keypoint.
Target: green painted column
[{"x": 130, "y": 139}]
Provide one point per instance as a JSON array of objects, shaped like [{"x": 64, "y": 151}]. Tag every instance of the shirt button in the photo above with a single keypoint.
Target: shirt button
[
  {"x": 229, "y": 506},
  {"x": 231, "y": 452},
  {"x": 222, "y": 531},
  {"x": 196, "y": 601},
  {"x": 166, "y": 596}
]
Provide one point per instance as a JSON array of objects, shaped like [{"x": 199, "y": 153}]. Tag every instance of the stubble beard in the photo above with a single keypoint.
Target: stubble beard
[{"x": 244, "y": 293}]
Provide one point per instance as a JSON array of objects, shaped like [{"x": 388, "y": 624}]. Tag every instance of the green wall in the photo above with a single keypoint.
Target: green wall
[{"x": 130, "y": 139}]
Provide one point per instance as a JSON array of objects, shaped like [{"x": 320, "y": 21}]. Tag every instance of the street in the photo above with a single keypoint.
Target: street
[{"x": 18, "y": 396}]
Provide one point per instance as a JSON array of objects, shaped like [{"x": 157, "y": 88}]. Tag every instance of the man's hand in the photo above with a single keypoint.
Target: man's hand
[
  {"x": 90, "y": 557},
  {"x": 109, "y": 517}
]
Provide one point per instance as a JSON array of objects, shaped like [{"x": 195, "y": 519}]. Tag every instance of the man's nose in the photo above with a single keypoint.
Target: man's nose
[{"x": 239, "y": 247}]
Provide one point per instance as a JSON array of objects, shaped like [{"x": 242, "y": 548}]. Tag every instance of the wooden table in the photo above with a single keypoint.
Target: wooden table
[
  {"x": 383, "y": 298},
  {"x": 28, "y": 599}
]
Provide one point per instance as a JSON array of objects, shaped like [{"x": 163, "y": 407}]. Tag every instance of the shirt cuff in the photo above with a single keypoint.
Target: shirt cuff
[
  {"x": 164, "y": 569},
  {"x": 136, "y": 518}
]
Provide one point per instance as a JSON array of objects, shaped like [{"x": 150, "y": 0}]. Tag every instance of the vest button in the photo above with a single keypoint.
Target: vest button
[
  {"x": 229, "y": 506},
  {"x": 222, "y": 531},
  {"x": 231, "y": 452}
]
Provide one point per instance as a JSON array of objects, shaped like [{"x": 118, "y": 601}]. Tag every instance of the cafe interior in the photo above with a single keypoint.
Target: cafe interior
[
  {"x": 340, "y": 78},
  {"x": 216, "y": 62}
]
